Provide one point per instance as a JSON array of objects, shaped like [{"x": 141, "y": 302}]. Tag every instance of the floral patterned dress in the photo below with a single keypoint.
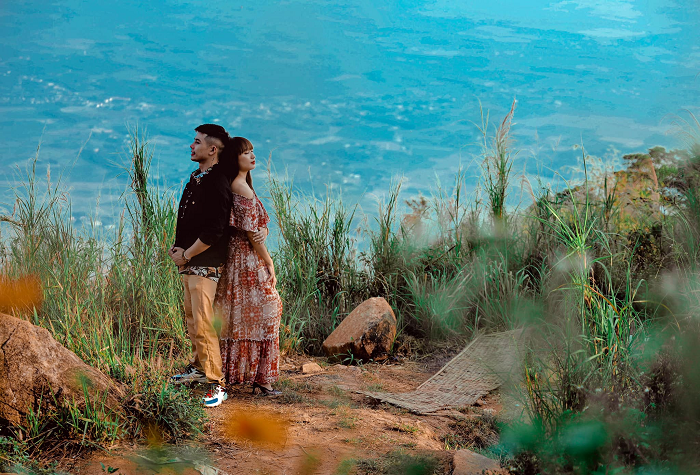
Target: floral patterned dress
[{"x": 248, "y": 303}]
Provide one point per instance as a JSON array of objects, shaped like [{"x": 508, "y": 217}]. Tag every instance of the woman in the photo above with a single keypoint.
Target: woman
[{"x": 246, "y": 297}]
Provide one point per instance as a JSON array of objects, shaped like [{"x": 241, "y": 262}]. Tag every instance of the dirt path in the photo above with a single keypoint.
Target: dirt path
[{"x": 318, "y": 425}]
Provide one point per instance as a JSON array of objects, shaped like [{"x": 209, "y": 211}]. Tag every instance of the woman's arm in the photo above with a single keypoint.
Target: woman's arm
[{"x": 262, "y": 252}]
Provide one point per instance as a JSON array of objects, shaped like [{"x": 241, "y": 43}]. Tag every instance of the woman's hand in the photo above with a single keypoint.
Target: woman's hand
[
  {"x": 273, "y": 277},
  {"x": 260, "y": 235}
]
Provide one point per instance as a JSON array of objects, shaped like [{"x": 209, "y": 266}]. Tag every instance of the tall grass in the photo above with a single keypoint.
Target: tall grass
[
  {"x": 315, "y": 263},
  {"x": 109, "y": 299},
  {"x": 497, "y": 165},
  {"x": 113, "y": 299}
]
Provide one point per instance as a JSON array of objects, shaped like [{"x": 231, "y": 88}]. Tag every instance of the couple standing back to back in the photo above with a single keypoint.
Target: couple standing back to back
[{"x": 227, "y": 272}]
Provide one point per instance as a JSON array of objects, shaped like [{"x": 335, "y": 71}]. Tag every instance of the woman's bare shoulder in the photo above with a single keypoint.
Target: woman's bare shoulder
[{"x": 241, "y": 188}]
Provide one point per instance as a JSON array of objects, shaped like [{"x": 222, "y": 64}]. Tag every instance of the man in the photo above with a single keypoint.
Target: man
[{"x": 200, "y": 252}]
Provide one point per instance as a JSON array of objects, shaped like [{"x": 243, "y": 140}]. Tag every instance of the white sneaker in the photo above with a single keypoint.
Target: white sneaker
[
  {"x": 216, "y": 395},
  {"x": 191, "y": 375}
]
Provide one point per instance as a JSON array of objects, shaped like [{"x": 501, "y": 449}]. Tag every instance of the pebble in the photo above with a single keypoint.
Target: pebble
[{"x": 311, "y": 368}]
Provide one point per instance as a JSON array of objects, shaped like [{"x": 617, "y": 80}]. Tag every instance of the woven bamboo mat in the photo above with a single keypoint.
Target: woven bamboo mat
[{"x": 484, "y": 365}]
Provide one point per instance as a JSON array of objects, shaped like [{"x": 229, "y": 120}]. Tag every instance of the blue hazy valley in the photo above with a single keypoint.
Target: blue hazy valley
[{"x": 344, "y": 95}]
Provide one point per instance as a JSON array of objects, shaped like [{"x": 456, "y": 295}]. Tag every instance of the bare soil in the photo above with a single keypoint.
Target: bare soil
[{"x": 317, "y": 426}]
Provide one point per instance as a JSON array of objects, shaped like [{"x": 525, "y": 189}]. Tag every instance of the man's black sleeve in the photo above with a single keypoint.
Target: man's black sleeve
[{"x": 217, "y": 204}]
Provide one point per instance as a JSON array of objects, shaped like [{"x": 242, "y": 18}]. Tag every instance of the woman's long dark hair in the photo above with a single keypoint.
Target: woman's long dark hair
[{"x": 229, "y": 158}]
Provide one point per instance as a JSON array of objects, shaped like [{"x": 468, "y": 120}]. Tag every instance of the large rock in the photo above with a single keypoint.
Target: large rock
[
  {"x": 466, "y": 462},
  {"x": 36, "y": 370},
  {"x": 367, "y": 332}
]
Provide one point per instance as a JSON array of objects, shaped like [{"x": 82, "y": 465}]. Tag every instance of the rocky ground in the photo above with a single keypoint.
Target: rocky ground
[{"x": 318, "y": 426}]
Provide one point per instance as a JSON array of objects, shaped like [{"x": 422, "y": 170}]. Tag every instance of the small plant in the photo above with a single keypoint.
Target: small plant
[
  {"x": 309, "y": 463},
  {"x": 333, "y": 403},
  {"x": 293, "y": 397},
  {"x": 369, "y": 466},
  {"x": 345, "y": 467},
  {"x": 355, "y": 440},
  {"x": 406, "y": 428},
  {"x": 400, "y": 463},
  {"x": 348, "y": 359},
  {"x": 348, "y": 422},
  {"x": 334, "y": 390},
  {"x": 108, "y": 469},
  {"x": 473, "y": 433},
  {"x": 159, "y": 411},
  {"x": 375, "y": 387},
  {"x": 302, "y": 386}
]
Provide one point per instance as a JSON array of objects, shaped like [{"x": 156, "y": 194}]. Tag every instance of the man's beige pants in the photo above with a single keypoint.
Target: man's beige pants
[{"x": 199, "y": 315}]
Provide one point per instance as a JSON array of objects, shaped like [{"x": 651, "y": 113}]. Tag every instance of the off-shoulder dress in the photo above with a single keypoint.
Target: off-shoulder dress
[{"x": 249, "y": 305}]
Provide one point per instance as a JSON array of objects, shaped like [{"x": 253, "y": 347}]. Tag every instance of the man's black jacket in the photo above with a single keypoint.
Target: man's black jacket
[{"x": 204, "y": 214}]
